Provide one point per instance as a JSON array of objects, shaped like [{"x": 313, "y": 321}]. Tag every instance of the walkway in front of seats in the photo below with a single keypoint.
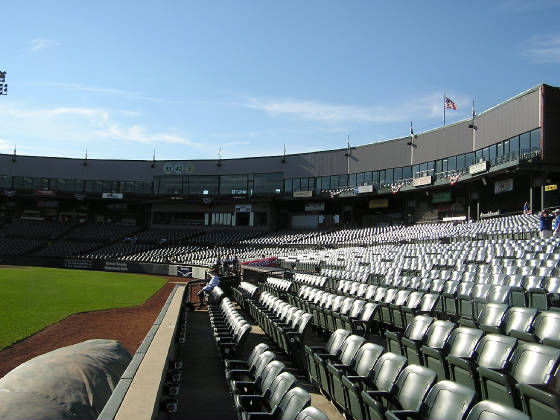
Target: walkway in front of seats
[{"x": 204, "y": 393}]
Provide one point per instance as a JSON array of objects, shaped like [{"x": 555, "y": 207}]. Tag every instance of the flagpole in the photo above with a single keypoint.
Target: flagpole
[{"x": 444, "y": 108}]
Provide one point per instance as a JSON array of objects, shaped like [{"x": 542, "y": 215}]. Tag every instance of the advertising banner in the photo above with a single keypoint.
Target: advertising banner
[
  {"x": 184, "y": 271},
  {"x": 117, "y": 196},
  {"x": 362, "y": 189},
  {"x": 303, "y": 194},
  {"x": 263, "y": 262}
]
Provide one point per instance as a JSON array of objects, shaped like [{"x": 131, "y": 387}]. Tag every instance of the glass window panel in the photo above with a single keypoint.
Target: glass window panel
[
  {"x": 334, "y": 181},
  {"x": 422, "y": 168},
  {"x": 536, "y": 139},
  {"x": 325, "y": 182},
  {"x": 360, "y": 178},
  {"x": 304, "y": 186},
  {"x": 371, "y": 177},
  {"x": 452, "y": 163},
  {"x": 506, "y": 147},
  {"x": 170, "y": 185},
  {"x": 398, "y": 174},
  {"x": 200, "y": 183},
  {"x": 493, "y": 153},
  {"x": 382, "y": 177},
  {"x": 525, "y": 142},
  {"x": 478, "y": 155},
  {"x": 5, "y": 181},
  {"x": 267, "y": 183},
  {"x": 288, "y": 185},
  {"x": 342, "y": 181},
  {"x": 444, "y": 166},
  {"x": 514, "y": 146},
  {"x": 500, "y": 150},
  {"x": 460, "y": 162},
  {"x": 430, "y": 166},
  {"x": 415, "y": 170},
  {"x": 233, "y": 184},
  {"x": 353, "y": 181},
  {"x": 407, "y": 172},
  {"x": 469, "y": 159},
  {"x": 318, "y": 184},
  {"x": 438, "y": 166},
  {"x": 389, "y": 176}
]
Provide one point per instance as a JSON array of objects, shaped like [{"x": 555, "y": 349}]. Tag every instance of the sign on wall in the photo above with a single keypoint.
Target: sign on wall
[
  {"x": 362, "y": 189},
  {"x": 421, "y": 181},
  {"x": 303, "y": 194},
  {"x": 478, "y": 167},
  {"x": 314, "y": 206},
  {"x": 379, "y": 204},
  {"x": 503, "y": 186}
]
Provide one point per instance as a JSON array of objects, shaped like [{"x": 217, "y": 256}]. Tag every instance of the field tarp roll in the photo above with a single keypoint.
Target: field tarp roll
[{"x": 72, "y": 382}]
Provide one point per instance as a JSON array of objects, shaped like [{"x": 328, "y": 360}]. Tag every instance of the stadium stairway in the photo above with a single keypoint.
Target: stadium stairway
[{"x": 204, "y": 394}]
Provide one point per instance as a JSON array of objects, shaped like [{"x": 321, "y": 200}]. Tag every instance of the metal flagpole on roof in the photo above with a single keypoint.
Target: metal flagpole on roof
[{"x": 444, "y": 108}]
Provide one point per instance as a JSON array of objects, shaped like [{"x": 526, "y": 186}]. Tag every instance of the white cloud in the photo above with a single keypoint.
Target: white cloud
[
  {"x": 112, "y": 92},
  {"x": 422, "y": 107},
  {"x": 543, "y": 49},
  {"x": 75, "y": 126},
  {"x": 41, "y": 44},
  {"x": 5, "y": 147}
]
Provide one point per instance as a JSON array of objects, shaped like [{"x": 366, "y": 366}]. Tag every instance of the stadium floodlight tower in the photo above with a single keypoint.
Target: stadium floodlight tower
[{"x": 3, "y": 84}]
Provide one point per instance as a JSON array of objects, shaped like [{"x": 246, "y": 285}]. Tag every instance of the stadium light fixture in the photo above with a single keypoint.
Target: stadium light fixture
[{"x": 3, "y": 84}]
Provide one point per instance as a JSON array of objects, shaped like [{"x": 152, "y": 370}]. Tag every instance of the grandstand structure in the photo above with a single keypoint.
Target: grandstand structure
[{"x": 408, "y": 282}]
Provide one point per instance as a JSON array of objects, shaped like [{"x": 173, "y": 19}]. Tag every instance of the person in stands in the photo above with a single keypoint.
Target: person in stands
[
  {"x": 556, "y": 223},
  {"x": 545, "y": 224},
  {"x": 214, "y": 281},
  {"x": 526, "y": 208}
]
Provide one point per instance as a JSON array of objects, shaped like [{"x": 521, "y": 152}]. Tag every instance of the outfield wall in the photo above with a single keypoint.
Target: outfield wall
[{"x": 180, "y": 271}]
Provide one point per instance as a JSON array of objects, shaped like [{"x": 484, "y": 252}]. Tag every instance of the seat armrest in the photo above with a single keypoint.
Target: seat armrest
[
  {"x": 539, "y": 393},
  {"x": 524, "y": 336},
  {"x": 371, "y": 397},
  {"x": 466, "y": 364},
  {"x": 352, "y": 381},
  {"x": 313, "y": 349},
  {"x": 553, "y": 342},
  {"x": 490, "y": 329},
  {"x": 493, "y": 375},
  {"x": 401, "y": 414},
  {"x": 430, "y": 351},
  {"x": 336, "y": 368}
]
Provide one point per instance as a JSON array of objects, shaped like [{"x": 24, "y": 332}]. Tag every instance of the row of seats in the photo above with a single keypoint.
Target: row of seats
[
  {"x": 229, "y": 327},
  {"x": 262, "y": 388},
  {"x": 244, "y": 292},
  {"x": 368, "y": 383},
  {"x": 284, "y": 323}
]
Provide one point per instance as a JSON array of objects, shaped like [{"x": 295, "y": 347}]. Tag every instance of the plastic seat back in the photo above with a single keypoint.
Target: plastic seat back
[
  {"x": 463, "y": 341},
  {"x": 519, "y": 319},
  {"x": 490, "y": 410},
  {"x": 412, "y": 385},
  {"x": 418, "y": 327},
  {"x": 335, "y": 341},
  {"x": 386, "y": 370},
  {"x": 293, "y": 403},
  {"x": 349, "y": 348},
  {"x": 311, "y": 413},
  {"x": 279, "y": 389},
  {"x": 447, "y": 400},
  {"x": 438, "y": 334}
]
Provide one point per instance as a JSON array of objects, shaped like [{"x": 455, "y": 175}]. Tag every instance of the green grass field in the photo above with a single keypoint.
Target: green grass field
[{"x": 32, "y": 298}]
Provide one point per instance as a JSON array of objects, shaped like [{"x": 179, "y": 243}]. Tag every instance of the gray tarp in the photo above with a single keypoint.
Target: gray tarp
[{"x": 72, "y": 382}]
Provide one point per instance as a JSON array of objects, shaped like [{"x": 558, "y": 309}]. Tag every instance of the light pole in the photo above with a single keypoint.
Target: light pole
[{"x": 3, "y": 84}]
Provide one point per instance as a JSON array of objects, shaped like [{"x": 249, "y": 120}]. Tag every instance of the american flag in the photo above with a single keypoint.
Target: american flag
[{"x": 449, "y": 104}]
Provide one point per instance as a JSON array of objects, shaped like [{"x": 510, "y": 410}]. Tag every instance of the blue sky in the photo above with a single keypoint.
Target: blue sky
[{"x": 188, "y": 78}]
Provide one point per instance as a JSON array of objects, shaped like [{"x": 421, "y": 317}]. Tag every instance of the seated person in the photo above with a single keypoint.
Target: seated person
[{"x": 214, "y": 281}]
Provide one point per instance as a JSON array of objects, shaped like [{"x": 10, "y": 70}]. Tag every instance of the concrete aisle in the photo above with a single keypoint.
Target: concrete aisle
[{"x": 204, "y": 393}]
